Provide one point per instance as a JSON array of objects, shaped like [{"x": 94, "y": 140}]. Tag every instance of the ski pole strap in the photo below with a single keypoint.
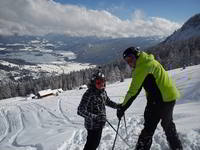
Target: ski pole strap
[{"x": 118, "y": 134}]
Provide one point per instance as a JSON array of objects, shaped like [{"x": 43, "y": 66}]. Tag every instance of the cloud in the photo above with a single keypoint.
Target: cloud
[{"x": 39, "y": 17}]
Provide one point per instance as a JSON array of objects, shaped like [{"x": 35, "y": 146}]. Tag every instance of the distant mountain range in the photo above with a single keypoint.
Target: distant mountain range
[
  {"x": 87, "y": 49},
  {"x": 182, "y": 48},
  {"x": 29, "y": 63},
  {"x": 59, "y": 53}
]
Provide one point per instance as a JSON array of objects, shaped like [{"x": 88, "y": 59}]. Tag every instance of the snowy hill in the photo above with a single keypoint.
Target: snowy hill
[
  {"x": 190, "y": 28},
  {"x": 52, "y": 123},
  {"x": 182, "y": 48}
]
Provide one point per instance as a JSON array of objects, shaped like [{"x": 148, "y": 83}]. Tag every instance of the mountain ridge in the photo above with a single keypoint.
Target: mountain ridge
[
  {"x": 191, "y": 28},
  {"x": 182, "y": 48}
]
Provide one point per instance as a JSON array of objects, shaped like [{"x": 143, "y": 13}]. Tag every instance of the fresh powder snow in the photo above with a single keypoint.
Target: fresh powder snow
[{"x": 52, "y": 123}]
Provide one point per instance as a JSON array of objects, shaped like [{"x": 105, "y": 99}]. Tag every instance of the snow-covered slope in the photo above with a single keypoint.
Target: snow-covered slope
[
  {"x": 191, "y": 28},
  {"x": 52, "y": 123}
]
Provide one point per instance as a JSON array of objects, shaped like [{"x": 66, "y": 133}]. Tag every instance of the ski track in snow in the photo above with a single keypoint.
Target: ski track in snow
[
  {"x": 65, "y": 116},
  {"x": 14, "y": 126},
  {"x": 52, "y": 123},
  {"x": 4, "y": 126}
]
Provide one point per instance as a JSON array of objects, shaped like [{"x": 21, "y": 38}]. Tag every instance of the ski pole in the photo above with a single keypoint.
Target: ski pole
[
  {"x": 118, "y": 134},
  {"x": 125, "y": 125}
]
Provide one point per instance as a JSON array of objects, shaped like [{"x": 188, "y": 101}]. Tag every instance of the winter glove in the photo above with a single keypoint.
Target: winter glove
[
  {"x": 120, "y": 111},
  {"x": 119, "y": 106}
]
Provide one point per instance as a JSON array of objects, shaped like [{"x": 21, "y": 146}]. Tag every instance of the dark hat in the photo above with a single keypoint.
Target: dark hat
[
  {"x": 98, "y": 74},
  {"x": 131, "y": 51}
]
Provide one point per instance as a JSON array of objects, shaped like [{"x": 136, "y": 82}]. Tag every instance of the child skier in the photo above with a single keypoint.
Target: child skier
[{"x": 92, "y": 108}]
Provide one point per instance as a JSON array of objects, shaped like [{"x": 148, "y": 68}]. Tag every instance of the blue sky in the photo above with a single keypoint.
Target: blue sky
[
  {"x": 174, "y": 10},
  {"x": 101, "y": 18}
]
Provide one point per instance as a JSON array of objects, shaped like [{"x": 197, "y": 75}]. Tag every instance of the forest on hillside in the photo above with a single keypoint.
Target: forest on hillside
[
  {"x": 115, "y": 71},
  {"x": 171, "y": 56}
]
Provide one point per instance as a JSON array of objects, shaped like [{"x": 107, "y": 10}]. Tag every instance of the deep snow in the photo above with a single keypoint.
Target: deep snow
[{"x": 52, "y": 123}]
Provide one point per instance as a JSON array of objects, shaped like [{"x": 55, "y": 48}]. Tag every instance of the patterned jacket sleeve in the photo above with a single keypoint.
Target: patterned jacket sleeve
[
  {"x": 110, "y": 103},
  {"x": 83, "y": 106}
]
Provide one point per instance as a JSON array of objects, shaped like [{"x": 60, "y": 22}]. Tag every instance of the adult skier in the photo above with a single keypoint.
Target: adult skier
[
  {"x": 92, "y": 108},
  {"x": 161, "y": 94}
]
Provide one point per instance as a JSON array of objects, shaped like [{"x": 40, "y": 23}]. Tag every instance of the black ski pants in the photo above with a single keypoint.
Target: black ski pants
[
  {"x": 93, "y": 139},
  {"x": 153, "y": 114}
]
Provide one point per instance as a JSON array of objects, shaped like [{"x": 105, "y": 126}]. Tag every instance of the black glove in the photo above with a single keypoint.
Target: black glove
[{"x": 120, "y": 111}]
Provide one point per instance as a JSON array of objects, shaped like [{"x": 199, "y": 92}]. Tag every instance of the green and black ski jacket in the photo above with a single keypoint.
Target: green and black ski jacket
[{"x": 149, "y": 74}]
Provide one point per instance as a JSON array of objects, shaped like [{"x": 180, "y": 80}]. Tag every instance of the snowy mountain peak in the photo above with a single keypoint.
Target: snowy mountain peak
[
  {"x": 193, "y": 22},
  {"x": 190, "y": 28}
]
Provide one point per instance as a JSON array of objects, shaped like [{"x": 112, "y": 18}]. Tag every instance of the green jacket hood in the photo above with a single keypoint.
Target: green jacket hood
[{"x": 144, "y": 58}]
